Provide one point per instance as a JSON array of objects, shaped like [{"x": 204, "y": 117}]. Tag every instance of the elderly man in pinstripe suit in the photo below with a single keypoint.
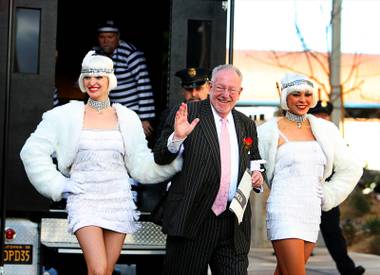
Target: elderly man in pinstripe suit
[{"x": 198, "y": 235}]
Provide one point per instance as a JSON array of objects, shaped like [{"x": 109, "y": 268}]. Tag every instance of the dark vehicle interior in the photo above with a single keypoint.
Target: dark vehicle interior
[{"x": 142, "y": 23}]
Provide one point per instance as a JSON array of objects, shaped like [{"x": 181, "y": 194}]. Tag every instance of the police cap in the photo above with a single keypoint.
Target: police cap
[
  {"x": 322, "y": 106},
  {"x": 193, "y": 77}
]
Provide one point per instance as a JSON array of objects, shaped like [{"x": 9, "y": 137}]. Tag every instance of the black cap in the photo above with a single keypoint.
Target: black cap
[
  {"x": 107, "y": 26},
  {"x": 193, "y": 77},
  {"x": 322, "y": 106}
]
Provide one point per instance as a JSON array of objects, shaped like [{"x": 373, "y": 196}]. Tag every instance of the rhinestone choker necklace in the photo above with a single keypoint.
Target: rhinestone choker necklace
[
  {"x": 99, "y": 105},
  {"x": 296, "y": 118}
]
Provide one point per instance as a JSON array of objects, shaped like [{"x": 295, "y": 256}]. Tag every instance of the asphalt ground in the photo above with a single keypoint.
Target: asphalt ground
[{"x": 263, "y": 262}]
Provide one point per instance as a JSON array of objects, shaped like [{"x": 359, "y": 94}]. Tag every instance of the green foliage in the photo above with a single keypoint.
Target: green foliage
[
  {"x": 372, "y": 226},
  {"x": 361, "y": 205},
  {"x": 368, "y": 178},
  {"x": 360, "y": 218},
  {"x": 349, "y": 231},
  {"x": 374, "y": 246}
]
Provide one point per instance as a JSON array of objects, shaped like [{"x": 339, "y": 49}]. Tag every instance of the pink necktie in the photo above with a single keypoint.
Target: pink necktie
[{"x": 220, "y": 202}]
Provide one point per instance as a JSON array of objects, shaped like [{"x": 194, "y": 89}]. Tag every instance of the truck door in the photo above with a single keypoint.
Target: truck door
[
  {"x": 27, "y": 67},
  {"x": 197, "y": 38}
]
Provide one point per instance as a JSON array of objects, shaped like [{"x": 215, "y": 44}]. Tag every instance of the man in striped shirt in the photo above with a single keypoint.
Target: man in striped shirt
[{"x": 134, "y": 89}]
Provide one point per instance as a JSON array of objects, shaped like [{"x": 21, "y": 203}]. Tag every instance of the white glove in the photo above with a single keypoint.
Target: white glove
[
  {"x": 71, "y": 187},
  {"x": 319, "y": 191}
]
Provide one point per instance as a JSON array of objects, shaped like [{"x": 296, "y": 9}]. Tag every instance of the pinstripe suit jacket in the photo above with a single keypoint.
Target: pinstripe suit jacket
[{"x": 193, "y": 190}]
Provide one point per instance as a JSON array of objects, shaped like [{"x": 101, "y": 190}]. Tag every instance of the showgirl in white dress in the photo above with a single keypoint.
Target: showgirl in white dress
[
  {"x": 301, "y": 152},
  {"x": 294, "y": 203},
  {"x": 107, "y": 201},
  {"x": 98, "y": 148}
]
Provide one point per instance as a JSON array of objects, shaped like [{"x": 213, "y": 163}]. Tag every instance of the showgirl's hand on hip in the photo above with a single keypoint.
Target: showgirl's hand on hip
[{"x": 71, "y": 187}]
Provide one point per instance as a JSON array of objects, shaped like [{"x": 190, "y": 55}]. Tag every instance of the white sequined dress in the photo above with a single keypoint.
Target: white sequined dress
[
  {"x": 294, "y": 203},
  {"x": 107, "y": 201}
]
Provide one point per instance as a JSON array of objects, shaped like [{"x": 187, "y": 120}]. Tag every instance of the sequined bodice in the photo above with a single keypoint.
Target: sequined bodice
[{"x": 99, "y": 150}]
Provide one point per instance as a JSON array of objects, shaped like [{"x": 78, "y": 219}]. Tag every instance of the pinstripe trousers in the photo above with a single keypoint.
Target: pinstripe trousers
[{"x": 213, "y": 246}]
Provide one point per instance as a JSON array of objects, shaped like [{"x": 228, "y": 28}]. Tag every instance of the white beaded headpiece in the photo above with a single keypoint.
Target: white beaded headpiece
[
  {"x": 97, "y": 65},
  {"x": 292, "y": 82}
]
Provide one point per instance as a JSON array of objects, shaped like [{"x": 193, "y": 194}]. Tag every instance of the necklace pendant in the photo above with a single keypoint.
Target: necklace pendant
[{"x": 296, "y": 118}]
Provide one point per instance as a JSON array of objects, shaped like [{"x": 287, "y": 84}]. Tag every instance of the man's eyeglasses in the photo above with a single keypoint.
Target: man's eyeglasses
[{"x": 230, "y": 90}]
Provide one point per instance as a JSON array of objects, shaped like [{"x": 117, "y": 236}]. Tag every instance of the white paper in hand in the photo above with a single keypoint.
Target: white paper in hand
[{"x": 240, "y": 200}]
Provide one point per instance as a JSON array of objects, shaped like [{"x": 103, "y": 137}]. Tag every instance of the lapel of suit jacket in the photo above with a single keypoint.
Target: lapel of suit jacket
[
  {"x": 240, "y": 137},
  {"x": 207, "y": 124}
]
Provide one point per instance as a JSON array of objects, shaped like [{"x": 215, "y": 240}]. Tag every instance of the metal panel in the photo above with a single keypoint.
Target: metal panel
[
  {"x": 147, "y": 240},
  {"x": 30, "y": 95},
  {"x": 3, "y": 62},
  {"x": 210, "y": 14}
]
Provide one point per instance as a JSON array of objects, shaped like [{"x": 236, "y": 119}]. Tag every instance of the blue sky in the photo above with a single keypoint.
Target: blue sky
[{"x": 270, "y": 25}]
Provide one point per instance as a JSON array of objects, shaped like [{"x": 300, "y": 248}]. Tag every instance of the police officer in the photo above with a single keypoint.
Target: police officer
[
  {"x": 323, "y": 109},
  {"x": 330, "y": 227},
  {"x": 195, "y": 83}
]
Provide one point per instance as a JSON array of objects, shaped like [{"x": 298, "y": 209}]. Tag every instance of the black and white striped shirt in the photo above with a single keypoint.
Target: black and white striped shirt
[
  {"x": 134, "y": 89},
  {"x": 55, "y": 97}
]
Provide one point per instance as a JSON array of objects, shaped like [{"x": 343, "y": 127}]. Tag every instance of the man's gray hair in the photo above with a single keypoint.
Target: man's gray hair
[{"x": 226, "y": 67}]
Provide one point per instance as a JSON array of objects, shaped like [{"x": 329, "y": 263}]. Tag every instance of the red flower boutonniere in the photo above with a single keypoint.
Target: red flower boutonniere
[{"x": 248, "y": 141}]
